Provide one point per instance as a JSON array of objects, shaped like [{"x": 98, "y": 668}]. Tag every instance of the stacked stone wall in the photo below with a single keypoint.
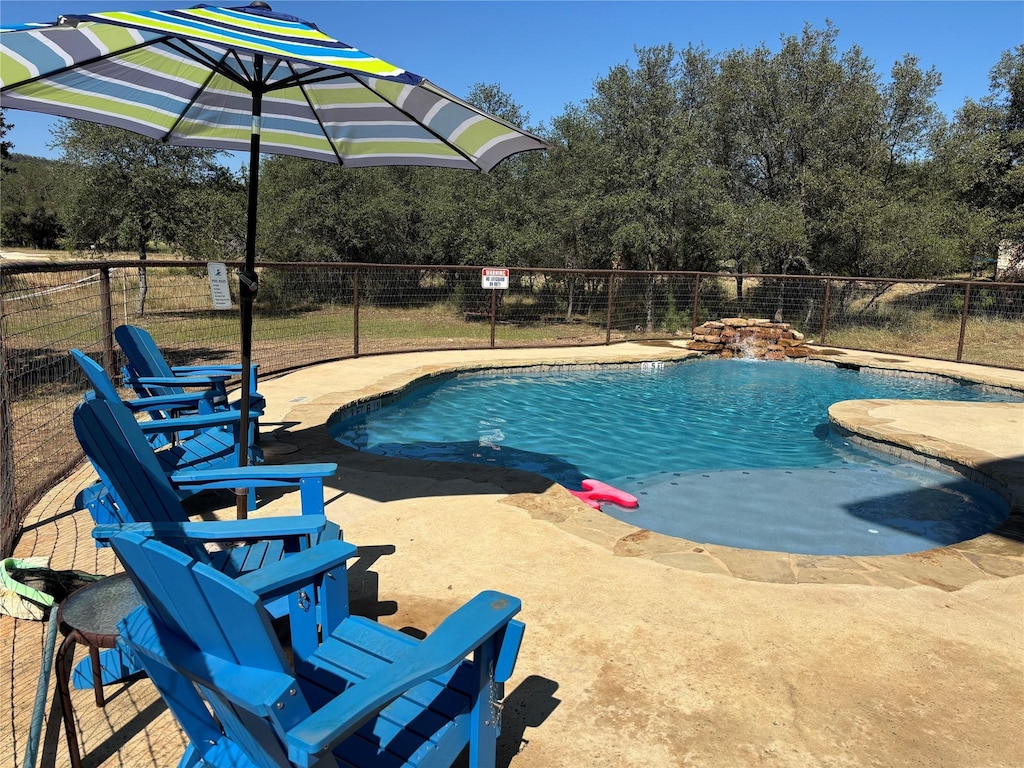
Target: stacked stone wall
[{"x": 752, "y": 338}]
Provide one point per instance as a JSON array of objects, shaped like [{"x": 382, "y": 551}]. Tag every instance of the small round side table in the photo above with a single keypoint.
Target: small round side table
[{"x": 89, "y": 616}]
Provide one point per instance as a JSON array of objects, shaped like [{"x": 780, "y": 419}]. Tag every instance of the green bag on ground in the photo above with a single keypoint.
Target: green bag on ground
[{"x": 28, "y": 589}]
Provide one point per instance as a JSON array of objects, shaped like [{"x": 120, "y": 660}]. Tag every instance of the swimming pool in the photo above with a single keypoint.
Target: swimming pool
[{"x": 729, "y": 452}]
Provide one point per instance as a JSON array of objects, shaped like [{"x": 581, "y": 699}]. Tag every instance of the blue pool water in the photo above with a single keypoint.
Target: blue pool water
[{"x": 731, "y": 452}]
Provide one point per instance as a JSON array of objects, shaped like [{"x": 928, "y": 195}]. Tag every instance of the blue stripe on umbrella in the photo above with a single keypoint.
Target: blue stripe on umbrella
[
  {"x": 407, "y": 131},
  {"x": 29, "y": 47},
  {"x": 449, "y": 118}
]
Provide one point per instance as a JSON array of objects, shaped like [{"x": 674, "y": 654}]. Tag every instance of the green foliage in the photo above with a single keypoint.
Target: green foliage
[
  {"x": 303, "y": 289},
  {"x": 802, "y": 159},
  {"x": 122, "y": 191},
  {"x": 459, "y": 297},
  {"x": 5, "y": 145},
  {"x": 981, "y": 157},
  {"x": 672, "y": 320},
  {"x": 29, "y": 198},
  {"x": 213, "y": 218},
  {"x": 468, "y": 295},
  {"x": 712, "y": 301}
]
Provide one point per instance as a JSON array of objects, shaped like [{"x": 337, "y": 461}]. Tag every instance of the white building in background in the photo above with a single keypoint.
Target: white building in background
[{"x": 1010, "y": 260}]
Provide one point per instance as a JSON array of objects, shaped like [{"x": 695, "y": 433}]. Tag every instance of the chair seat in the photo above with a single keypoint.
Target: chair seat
[
  {"x": 419, "y": 723},
  {"x": 236, "y": 560},
  {"x": 212, "y": 449}
]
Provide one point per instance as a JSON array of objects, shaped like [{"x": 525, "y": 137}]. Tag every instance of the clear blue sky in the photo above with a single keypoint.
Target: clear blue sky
[{"x": 548, "y": 54}]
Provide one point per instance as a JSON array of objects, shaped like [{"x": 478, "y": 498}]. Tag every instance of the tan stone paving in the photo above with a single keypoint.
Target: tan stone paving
[{"x": 641, "y": 649}]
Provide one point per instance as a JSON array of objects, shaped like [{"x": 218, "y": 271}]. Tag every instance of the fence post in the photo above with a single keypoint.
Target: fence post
[
  {"x": 611, "y": 303},
  {"x": 826, "y": 309},
  {"x": 108, "y": 321},
  {"x": 9, "y": 525},
  {"x": 963, "y": 323},
  {"x": 355, "y": 313},
  {"x": 696, "y": 303},
  {"x": 494, "y": 313}
]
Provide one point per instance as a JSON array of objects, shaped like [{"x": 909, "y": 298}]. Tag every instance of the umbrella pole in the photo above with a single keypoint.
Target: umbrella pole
[{"x": 248, "y": 283}]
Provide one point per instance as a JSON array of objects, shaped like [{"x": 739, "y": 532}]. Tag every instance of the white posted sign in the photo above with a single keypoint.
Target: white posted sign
[
  {"x": 219, "y": 285},
  {"x": 492, "y": 277}
]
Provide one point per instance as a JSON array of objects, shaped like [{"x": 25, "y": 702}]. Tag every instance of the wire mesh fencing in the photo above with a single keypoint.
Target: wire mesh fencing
[{"x": 311, "y": 313}]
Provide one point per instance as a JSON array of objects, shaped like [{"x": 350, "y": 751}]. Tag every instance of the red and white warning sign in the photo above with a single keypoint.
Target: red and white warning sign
[{"x": 493, "y": 277}]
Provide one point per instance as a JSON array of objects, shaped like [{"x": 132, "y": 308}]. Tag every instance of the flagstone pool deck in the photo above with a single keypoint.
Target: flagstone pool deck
[{"x": 641, "y": 649}]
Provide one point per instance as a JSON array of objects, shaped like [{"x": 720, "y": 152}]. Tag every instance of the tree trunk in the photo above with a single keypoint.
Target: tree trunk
[
  {"x": 780, "y": 301},
  {"x": 140, "y": 307},
  {"x": 649, "y": 293}
]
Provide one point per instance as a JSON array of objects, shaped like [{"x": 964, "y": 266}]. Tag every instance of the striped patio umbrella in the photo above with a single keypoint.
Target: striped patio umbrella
[{"x": 242, "y": 79}]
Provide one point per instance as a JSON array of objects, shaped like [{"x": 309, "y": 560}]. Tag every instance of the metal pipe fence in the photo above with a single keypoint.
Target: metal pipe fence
[{"x": 314, "y": 312}]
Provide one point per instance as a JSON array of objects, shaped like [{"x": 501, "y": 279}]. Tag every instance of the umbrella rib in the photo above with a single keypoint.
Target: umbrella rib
[
  {"x": 273, "y": 69},
  {"x": 423, "y": 125},
  {"x": 307, "y": 79},
  {"x": 246, "y": 81},
  {"x": 302, "y": 89},
  {"x": 199, "y": 91},
  {"x": 201, "y": 57}
]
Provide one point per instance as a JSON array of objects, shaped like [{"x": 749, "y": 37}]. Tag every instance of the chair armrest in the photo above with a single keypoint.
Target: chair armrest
[
  {"x": 169, "y": 402},
  {"x": 202, "y": 370},
  {"x": 308, "y": 478},
  {"x": 284, "y": 576},
  {"x": 212, "y": 369},
  {"x": 461, "y": 633},
  {"x": 505, "y": 664},
  {"x": 227, "y": 370},
  {"x": 229, "y": 477},
  {"x": 222, "y": 530},
  {"x": 181, "y": 381},
  {"x": 199, "y": 421}
]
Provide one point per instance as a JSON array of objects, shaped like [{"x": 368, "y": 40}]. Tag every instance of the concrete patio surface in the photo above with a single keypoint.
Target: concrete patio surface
[{"x": 641, "y": 649}]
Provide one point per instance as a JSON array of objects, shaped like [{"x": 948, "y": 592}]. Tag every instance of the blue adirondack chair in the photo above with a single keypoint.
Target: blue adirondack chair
[
  {"x": 135, "y": 488},
  {"x": 158, "y": 407},
  {"x": 142, "y": 485},
  {"x": 233, "y": 547},
  {"x": 149, "y": 374},
  {"x": 202, "y": 441},
  {"x": 354, "y": 693}
]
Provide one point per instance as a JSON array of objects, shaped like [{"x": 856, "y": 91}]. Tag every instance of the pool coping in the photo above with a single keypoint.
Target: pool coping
[{"x": 997, "y": 554}]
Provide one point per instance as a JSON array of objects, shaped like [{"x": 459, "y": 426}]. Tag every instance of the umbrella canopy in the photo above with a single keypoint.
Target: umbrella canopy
[
  {"x": 188, "y": 77},
  {"x": 246, "y": 78}
]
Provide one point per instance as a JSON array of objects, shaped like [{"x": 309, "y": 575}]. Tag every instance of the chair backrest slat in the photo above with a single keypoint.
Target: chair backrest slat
[
  {"x": 145, "y": 358},
  {"x": 98, "y": 377},
  {"x": 125, "y": 462}
]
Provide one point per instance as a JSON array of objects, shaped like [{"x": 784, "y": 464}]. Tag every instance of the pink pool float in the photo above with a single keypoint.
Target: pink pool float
[{"x": 594, "y": 492}]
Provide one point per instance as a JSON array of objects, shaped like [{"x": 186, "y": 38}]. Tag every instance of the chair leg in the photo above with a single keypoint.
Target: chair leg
[
  {"x": 97, "y": 675},
  {"x": 65, "y": 654},
  {"x": 114, "y": 665},
  {"x": 483, "y": 727}
]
